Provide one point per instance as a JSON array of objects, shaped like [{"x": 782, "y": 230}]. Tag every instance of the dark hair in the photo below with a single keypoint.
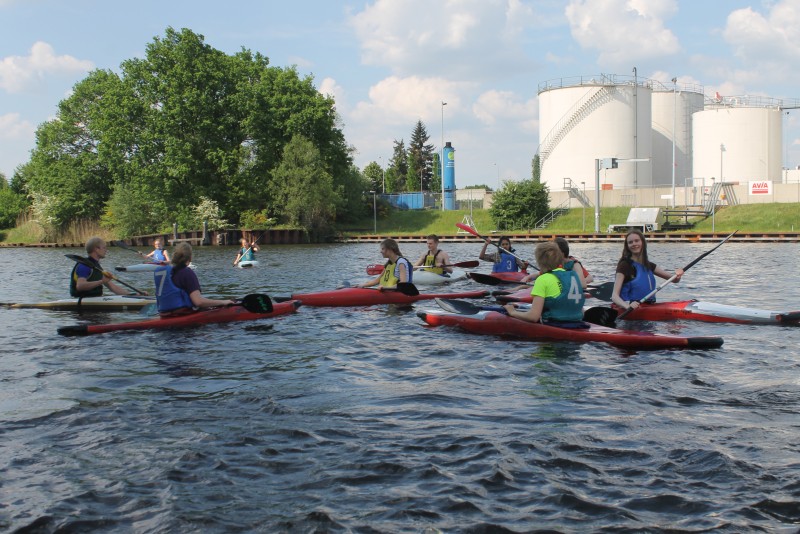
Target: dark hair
[
  {"x": 434, "y": 237},
  {"x": 392, "y": 245},
  {"x": 563, "y": 245},
  {"x": 626, "y": 252},
  {"x": 181, "y": 256}
]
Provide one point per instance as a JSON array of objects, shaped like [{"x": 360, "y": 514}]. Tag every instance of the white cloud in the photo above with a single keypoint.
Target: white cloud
[
  {"x": 12, "y": 126},
  {"x": 503, "y": 108},
  {"x": 623, "y": 31},
  {"x": 20, "y": 73}
]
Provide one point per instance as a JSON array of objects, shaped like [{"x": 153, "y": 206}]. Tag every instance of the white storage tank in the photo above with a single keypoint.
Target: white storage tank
[
  {"x": 739, "y": 144},
  {"x": 583, "y": 119},
  {"x": 672, "y": 116}
]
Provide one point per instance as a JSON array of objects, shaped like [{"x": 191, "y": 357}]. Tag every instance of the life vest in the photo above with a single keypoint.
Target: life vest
[
  {"x": 569, "y": 265},
  {"x": 247, "y": 254},
  {"x": 430, "y": 261},
  {"x": 640, "y": 286},
  {"x": 507, "y": 264},
  {"x": 391, "y": 272},
  {"x": 96, "y": 274},
  {"x": 158, "y": 255},
  {"x": 568, "y": 305},
  {"x": 169, "y": 296}
]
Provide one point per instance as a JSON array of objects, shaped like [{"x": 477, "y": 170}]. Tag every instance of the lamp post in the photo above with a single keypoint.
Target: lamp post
[
  {"x": 583, "y": 203},
  {"x": 721, "y": 152},
  {"x": 674, "y": 122},
  {"x": 442, "y": 149},
  {"x": 374, "y": 213}
]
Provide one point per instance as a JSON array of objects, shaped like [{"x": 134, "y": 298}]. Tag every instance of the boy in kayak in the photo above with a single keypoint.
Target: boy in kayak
[
  {"x": 397, "y": 268},
  {"x": 88, "y": 282},
  {"x": 177, "y": 286},
  {"x": 504, "y": 261},
  {"x": 557, "y": 293},
  {"x": 434, "y": 260},
  {"x": 159, "y": 255},
  {"x": 635, "y": 277},
  {"x": 246, "y": 253}
]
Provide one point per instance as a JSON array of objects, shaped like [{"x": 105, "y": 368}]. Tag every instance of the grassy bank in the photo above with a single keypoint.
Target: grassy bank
[{"x": 745, "y": 218}]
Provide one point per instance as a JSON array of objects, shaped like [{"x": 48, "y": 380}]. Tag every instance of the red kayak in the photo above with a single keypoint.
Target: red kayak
[
  {"x": 226, "y": 314},
  {"x": 709, "y": 312},
  {"x": 494, "y": 323},
  {"x": 359, "y": 296},
  {"x": 506, "y": 277}
]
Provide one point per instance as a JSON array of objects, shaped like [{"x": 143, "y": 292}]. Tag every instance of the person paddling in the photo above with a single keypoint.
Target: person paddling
[
  {"x": 88, "y": 282},
  {"x": 159, "y": 255},
  {"x": 570, "y": 263},
  {"x": 435, "y": 260},
  {"x": 635, "y": 277},
  {"x": 177, "y": 286},
  {"x": 397, "y": 268},
  {"x": 247, "y": 252},
  {"x": 557, "y": 292},
  {"x": 503, "y": 261}
]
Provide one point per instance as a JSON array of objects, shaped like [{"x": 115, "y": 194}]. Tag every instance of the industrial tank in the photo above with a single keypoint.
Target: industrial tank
[
  {"x": 584, "y": 119},
  {"x": 739, "y": 144},
  {"x": 672, "y": 109}
]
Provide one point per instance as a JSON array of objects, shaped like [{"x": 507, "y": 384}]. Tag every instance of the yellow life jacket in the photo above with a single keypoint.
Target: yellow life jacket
[
  {"x": 430, "y": 261},
  {"x": 389, "y": 278}
]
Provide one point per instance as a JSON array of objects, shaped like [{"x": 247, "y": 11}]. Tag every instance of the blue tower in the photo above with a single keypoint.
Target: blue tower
[{"x": 449, "y": 178}]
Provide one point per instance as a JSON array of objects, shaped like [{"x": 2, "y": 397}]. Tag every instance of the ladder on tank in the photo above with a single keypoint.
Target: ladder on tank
[{"x": 574, "y": 192}]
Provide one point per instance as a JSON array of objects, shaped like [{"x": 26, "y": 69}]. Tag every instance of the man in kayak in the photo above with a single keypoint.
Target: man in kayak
[
  {"x": 397, "y": 268},
  {"x": 635, "y": 277},
  {"x": 434, "y": 260},
  {"x": 504, "y": 262},
  {"x": 570, "y": 263},
  {"x": 557, "y": 293},
  {"x": 159, "y": 255},
  {"x": 177, "y": 286},
  {"x": 88, "y": 282},
  {"x": 246, "y": 253}
]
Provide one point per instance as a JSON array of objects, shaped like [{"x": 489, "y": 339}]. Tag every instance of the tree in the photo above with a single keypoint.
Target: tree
[
  {"x": 436, "y": 177},
  {"x": 519, "y": 205},
  {"x": 412, "y": 174},
  {"x": 399, "y": 163},
  {"x": 374, "y": 176},
  {"x": 421, "y": 154},
  {"x": 536, "y": 169}
]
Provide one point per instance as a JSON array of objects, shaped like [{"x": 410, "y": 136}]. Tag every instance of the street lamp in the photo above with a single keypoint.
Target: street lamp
[
  {"x": 674, "y": 121},
  {"x": 583, "y": 202},
  {"x": 374, "y": 214},
  {"x": 442, "y": 165}
]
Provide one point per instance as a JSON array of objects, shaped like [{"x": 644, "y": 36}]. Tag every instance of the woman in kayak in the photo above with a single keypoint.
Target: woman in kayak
[
  {"x": 557, "y": 293},
  {"x": 397, "y": 268},
  {"x": 177, "y": 286},
  {"x": 570, "y": 263},
  {"x": 246, "y": 253},
  {"x": 159, "y": 255},
  {"x": 504, "y": 261},
  {"x": 434, "y": 260},
  {"x": 635, "y": 278},
  {"x": 88, "y": 282}
]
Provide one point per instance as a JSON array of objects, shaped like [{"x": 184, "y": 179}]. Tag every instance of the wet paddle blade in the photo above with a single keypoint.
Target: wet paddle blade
[
  {"x": 75, "y": 330},
  {"x": 489, "y": 280},
  {"x": 458, "y": 306},
  {"x": 408, "y": 289},
  {"x": 601, "y": 292},
  {"x": 374, "y": 269},
  {"x": 601, "y": 315},
  {"x": 257, "y": 303}
]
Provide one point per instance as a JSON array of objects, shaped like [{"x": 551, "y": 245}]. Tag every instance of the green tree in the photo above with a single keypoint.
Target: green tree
[
  {"x": 436, "y": 177},
  {"x": 412, "y": 174},
  {"x": 519, "y": 205},
  {"x": 374, "y": 176},
  {"x": 11, "y": 206},
  {"x": 399, "y": 163},
  {"x": 536, "y": 169},
  {"x": 391, "y": 180},
  {"x": 421, "y": 154}
]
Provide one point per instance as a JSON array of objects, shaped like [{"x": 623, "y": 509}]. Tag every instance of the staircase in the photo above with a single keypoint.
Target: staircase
[
  {"x": 574, "y": 192},
  {"x": 717, "y": 190},
  {"x": 552, "y": 215}
]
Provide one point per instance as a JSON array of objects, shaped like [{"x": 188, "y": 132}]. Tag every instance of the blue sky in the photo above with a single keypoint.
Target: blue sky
[{"x": 389, "y": 63}]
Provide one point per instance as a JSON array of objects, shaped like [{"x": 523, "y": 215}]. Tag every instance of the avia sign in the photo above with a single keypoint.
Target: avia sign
[{"x": 761, "y": 187}]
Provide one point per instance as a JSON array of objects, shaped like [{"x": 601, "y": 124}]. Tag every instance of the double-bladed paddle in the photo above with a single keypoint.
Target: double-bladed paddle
[
  {"x": 472, "y": 231},
  {"x": 87, "y": 263},
  {"x": 671, "y": 278},
  {"x": 376, "y": 268}
]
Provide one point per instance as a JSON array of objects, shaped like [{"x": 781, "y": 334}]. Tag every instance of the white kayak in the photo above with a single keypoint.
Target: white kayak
[
  {"x": 106, "y": 303},
  {"x": 426, "y": 278},
  {"x": 247, "y": 264},
  {"x": 145, "y": 267}
]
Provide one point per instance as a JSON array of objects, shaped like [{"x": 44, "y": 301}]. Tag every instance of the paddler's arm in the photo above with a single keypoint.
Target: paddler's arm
[
  {"x": 200, "y": 301},
  {"x": 403, "y": 269},
  {"x": 370, "y": 283},
  {"x": 661, "y": 273},
  {"x": 487, "y": 257},
  {"x": 444, "y": 259},
  {"x": 619, "y": 279},
  {"x": 532, "y": 315},
  {"x": 238, "y": 257}
]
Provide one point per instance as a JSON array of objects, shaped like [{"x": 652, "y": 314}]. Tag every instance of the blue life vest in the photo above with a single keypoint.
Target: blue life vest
[
  {"x": 642, "y": 284},
  {"x": 94, "y": 276},
  {"x": 247, "y": 254},
  {"x": 158, "y": 255},
  {"x": 169, "y": 296},
  {"x": 568, "y": 306},
  {"x": 507, "y": 264}
]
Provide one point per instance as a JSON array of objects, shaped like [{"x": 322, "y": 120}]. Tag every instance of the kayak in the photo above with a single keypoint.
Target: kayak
[
  {"x": 108, "y": 303},
  {"x": 247, "y": 264},
  {"x": 506, "y": 277},
  {"x": 498, "y": 324},
  {"x": 145, "y": 267},
  {"x": 422, "y": 277},
  {"x": 224, "y": 314},
  {"x": 710, "y": 312},
  {"x": 366, "y": 296}
]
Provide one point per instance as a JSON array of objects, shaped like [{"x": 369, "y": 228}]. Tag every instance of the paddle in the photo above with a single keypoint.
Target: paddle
[
  {"x": 472, "y": 231},
  {"x": 254, "y": 303},
  {"x": 671, "y": 278},
  {"x": 602, "y": 291},
  {"x": 376, "y": 269},
  {"x": 87, "y": 263}
]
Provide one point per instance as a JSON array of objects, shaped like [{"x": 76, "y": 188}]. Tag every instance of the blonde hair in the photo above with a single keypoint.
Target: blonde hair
[
  {"x": 94, "y": 243},
  {"x": 548, "y": 256},
  {"x": 182, "y": 255}
]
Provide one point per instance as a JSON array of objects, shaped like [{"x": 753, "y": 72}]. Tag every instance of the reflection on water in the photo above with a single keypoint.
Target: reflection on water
[{"x": 359, "y": 419}]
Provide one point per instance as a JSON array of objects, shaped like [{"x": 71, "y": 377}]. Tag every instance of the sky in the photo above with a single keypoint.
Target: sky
[{"x": 391, "y": 63}]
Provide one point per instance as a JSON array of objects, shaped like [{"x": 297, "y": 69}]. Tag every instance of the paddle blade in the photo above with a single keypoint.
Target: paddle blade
[
  {"x": 466, "y": 264},
  {"x": 408, "y": 289},
  {"x": 76, "y": 330},
  {"x": 374, "y": 269},
  {"x": 150, "y": 309},
  {"x": 257, "y": 303},
  {"x": 489, "y": 280},
  {"x": 600, "y": 315},
  {"x": 458, "y": 306},
  {"x": 601, "y": 292},
  {"x": 468, "y": 229}
]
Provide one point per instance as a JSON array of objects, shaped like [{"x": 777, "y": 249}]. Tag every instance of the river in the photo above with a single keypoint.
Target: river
[{"x": 365, "y": 420}]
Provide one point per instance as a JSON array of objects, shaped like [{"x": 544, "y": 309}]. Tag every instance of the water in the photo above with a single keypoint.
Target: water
[{"x": 365, "y": 420}]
